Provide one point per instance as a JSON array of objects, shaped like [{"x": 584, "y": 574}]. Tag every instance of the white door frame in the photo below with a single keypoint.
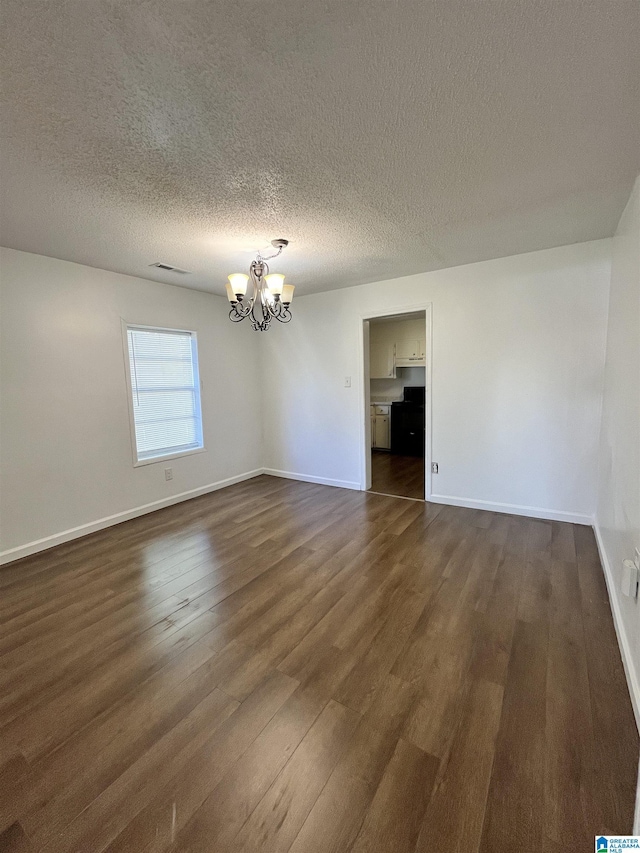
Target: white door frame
[{"x": 365, "y": 397}]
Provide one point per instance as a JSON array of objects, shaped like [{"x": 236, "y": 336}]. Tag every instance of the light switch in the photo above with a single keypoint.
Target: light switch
[{"x": 347, "y": 382}]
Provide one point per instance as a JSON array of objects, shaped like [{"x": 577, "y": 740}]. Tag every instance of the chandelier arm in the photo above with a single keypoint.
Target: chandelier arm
[
  {"x": 239, "y": 312},
  {"x": 260, "y": 269},
  {"x": 272, "y": 309},
  {"x": 257, "y": 271},
  {"x": 260, "y": 325},
  {"x": 255, "y": 279}
]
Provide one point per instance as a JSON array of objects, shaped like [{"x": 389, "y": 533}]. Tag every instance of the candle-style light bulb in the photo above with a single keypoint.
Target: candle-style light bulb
[
  {"x": 238, "y": 282},
  {"x": 275, "y": 283},
  {"x": 287, "y": 293}
]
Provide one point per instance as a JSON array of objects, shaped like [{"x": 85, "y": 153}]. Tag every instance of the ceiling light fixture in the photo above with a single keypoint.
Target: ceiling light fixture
[{"x": 270, "y": 298}]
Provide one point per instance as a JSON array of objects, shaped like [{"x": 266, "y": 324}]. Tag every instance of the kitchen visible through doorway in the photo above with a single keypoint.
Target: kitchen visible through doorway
[{"x": 397, "y": 387}]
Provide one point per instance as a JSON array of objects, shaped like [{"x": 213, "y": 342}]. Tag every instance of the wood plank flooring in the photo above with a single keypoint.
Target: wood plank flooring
[
  {"x": 397, "y": 475},
  {"x": 283, "y": 666}
]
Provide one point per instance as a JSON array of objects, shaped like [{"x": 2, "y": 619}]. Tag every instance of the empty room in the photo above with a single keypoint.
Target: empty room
[{"x": 319, "y": 426}]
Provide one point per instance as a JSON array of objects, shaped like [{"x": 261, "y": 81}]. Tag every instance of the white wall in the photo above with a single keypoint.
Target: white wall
[
  {"x": 518, "y": 352},
  {"x": 65, "y": 447},
  {"x": 518, "y": 349},
  {"x": 618, "y": 515}
]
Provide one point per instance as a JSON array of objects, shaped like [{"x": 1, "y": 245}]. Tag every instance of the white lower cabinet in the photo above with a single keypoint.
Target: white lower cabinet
[
  {"x": 381, "y": 426},
  {"x": 383, "y": 433}
]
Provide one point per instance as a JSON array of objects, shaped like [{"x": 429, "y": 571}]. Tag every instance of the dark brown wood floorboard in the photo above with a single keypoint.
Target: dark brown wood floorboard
[
  {"x": 392, "y": 474},
  {"x": 283, "y": 666}
]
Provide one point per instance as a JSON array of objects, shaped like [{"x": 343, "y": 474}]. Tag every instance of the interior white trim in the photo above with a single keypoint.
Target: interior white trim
[
  {"x": 515, "y": 509},
  {"x": 110, "y": 520},
  {"x": 623, "y": 641},
  {"x": 310, "y": 478}
]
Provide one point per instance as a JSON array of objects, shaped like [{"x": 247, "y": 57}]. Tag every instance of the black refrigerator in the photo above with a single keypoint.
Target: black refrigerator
[{"x": 407, "y": 423}]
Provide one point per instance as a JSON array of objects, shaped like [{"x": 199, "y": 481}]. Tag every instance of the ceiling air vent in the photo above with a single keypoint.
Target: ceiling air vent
[{"x": 168, "y": 268}]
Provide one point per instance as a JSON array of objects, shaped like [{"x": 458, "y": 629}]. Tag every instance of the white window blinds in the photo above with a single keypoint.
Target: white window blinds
[{"x": 165, "y": 390}]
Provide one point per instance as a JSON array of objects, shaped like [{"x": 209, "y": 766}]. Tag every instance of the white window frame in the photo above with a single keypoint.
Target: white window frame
[{"x": 137, "y": 463}]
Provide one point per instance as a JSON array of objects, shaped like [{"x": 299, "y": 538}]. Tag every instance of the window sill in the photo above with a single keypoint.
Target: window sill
[{"x": 140, "y": 462}]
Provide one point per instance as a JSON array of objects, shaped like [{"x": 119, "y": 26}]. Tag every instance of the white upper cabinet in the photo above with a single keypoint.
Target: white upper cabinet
[
  {"x": 407, "y": 349},
  {"x": 381, "y": 360},
  {"x": 410, "y": 353},
  {"x": 395, "y": 344}
]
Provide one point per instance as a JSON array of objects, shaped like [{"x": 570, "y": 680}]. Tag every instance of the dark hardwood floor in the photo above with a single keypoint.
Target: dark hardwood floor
[
  {"x": 282, "y": 666},
  {"x": 397, "y": 475}
]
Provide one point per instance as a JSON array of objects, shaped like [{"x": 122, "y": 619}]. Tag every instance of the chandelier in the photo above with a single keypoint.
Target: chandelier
[{"x": 270, "y": 297}]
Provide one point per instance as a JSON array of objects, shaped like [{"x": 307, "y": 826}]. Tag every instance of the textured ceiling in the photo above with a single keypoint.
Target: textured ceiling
[{"x": 381, "y": 137}]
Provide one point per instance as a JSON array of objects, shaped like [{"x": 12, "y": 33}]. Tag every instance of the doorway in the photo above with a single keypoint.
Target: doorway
[{"x": 396, "y": 363}]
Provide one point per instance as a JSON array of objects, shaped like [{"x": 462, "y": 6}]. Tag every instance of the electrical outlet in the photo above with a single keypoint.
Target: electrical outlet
[
  {"x": 168, "y": 473},
  {"x": 434, "y": 467}
]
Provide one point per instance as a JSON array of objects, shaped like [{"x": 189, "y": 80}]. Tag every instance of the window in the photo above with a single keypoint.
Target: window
[{"x": 165, "y": 392}]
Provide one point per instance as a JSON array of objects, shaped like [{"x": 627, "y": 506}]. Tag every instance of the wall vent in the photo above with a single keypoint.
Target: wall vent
[{"x": 168, "y": 268}]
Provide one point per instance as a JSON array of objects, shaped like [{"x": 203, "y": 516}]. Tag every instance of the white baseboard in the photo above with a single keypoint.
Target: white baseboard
[
  {"x": 514, "y": 509},
  {"x": 309, "y": 478},
  {"x": 623, "y": 640},
  {"x": 109, "y": 520}
]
